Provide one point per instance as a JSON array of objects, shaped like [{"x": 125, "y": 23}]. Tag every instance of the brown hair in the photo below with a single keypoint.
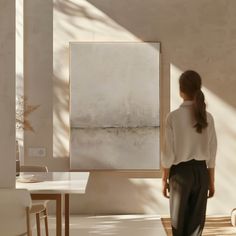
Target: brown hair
[{"x": 190, "y": 84}]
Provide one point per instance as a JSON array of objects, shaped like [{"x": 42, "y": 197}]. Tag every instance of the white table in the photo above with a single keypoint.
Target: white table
[{"x": 51, "y": 186}]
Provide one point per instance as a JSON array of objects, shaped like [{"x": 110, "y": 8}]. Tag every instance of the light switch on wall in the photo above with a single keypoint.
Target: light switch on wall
[{"x": 37, "y": 152}]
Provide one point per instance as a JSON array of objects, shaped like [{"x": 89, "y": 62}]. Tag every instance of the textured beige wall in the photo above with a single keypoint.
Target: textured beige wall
[
  {"x": 194, "y": 34},
  {"x": 38, "y": 86},
  {"x": 7, "y": 93}
]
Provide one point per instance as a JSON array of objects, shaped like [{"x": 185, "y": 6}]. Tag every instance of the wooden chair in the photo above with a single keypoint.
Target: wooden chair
[
  {"x": 43, "y": 214},
  {"x": 17, "y": 212}
]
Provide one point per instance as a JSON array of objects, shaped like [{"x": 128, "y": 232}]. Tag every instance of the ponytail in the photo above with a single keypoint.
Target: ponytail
[{"x": 199, "y": 109}]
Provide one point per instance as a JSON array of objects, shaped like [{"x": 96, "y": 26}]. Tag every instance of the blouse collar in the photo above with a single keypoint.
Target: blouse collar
[{"x": 187, "y": 103}]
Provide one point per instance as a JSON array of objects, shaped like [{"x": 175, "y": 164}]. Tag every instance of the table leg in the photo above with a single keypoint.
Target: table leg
[
  {"x": 58, "y": 215},
  {"x": 67, "y": 214}
]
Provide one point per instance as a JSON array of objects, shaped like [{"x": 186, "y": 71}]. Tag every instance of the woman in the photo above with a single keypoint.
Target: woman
[{"x": 189, "y": 158}]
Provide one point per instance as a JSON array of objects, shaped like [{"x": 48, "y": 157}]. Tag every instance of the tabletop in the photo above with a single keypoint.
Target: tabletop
[{"x": 53, "y": 182}]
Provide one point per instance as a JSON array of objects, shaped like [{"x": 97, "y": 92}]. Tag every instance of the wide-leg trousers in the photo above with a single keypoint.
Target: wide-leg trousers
[{"x": 188, "y": 197}]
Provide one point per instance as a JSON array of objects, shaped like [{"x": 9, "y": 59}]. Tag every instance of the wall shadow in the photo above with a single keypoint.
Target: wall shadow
[{"x": 126, "y": 195}]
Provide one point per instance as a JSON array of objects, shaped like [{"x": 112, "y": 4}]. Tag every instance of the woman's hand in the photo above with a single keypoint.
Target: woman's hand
[
  {"x": 211, "y": 188},
  {"x": 165, "y": 184},
  {"x": 165, "y": 188}
]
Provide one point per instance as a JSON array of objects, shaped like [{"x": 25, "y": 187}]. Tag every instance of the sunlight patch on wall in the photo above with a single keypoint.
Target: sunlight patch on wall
[
  {"x": 19, "y": 65},
  {"x": 19, "y": 47},
  {"x": 225, "y": 116},
  {"x": 75, "y": 21},
  {"x": 152, "y": 186},
  {"x": 175, "y": 99}
]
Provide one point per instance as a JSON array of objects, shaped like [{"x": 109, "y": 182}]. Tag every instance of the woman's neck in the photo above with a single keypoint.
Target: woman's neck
[{"x": 187, "y": 99}]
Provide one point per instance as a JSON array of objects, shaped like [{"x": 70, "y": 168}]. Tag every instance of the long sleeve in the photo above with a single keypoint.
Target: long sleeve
[
  {"x": 212, "y": 143},
  {"x": 168, "y": 152}
]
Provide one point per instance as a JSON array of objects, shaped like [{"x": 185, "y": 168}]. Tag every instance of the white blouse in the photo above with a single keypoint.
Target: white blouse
[{"x": 183, "y": 143}]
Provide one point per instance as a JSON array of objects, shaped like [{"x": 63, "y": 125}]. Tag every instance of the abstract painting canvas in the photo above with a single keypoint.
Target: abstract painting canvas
[{"x": 114, "y": 106}]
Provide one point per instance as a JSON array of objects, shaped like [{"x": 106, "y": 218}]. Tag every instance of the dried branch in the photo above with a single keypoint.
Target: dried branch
[{"x": 23, "y": 110}]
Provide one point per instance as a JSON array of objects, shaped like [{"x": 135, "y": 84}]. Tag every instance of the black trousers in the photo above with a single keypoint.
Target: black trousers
[{"x": 188, "y": 197}]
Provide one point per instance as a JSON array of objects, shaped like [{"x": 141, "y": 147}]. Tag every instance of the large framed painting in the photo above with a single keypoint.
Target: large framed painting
[{"x": 114, "y": 106}]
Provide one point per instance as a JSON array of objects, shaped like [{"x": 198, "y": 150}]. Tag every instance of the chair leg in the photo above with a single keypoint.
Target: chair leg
[
  {"x": 29, "y": 231},
  {"x": 38, "y": 224},
  {"x": 46, "y": 221}
]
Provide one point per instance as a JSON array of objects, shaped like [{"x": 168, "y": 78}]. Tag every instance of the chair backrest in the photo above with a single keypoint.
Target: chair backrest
[
  {"x": 24, "y": 168},
  {"x": 13, "y": 211}
]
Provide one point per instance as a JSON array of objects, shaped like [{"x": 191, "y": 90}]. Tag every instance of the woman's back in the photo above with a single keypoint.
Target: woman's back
[
  {"x": 189, "y": 158},
  {"x": 187, "y": 143}
]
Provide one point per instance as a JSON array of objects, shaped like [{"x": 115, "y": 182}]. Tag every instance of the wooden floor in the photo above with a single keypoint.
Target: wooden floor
[
  {"x": 111, "y": 225},
  {"x": 215, "y": 226},
  {"x": 138, "y": 225}
]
